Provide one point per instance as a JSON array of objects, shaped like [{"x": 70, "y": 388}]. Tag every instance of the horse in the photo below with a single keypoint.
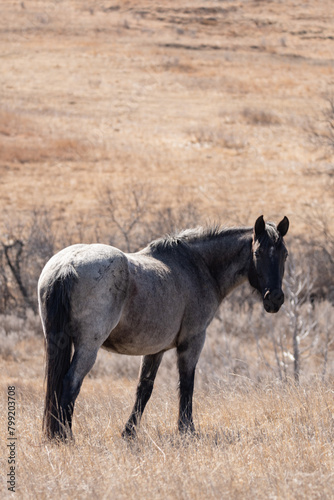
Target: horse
[{"x": 145, "y": 303}]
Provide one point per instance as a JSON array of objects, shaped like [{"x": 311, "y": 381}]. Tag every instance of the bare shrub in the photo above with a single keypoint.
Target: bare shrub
[
  {"x": 208, "y": 136},
  {"x": 170, "y": 220},
  {"x": 126, "y": 214},
  {"x": 26, "y": 246},
  {"x": 260, "y": 117},
  {"x": 319, "y": 253},
  {"x": 131, "y": 219},
  {"x": 14, "y": 329},
  {"x": 127, "y": 219},
  {"x": 13, "y": 257},
  {"x": 36, "y": 149},
  {"x": 322, "y": 129},
  {"x": 298, "y": 289}
]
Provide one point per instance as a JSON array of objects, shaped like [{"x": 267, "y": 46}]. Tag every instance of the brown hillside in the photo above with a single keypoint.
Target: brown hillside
[{"x": 217, "y": 98}]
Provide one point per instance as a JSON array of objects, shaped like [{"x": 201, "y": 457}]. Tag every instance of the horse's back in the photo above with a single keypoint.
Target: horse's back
[{"x": 90, "y": 263}]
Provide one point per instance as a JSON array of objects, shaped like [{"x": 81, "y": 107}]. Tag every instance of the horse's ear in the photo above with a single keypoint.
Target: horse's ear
[
  {"x": 283, "y": 226},
  {"x": 259, "y": 226}
]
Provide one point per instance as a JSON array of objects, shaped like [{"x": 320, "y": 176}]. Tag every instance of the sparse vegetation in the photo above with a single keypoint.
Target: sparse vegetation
[
  {"x": 260, "y": 117},
  {"x": 209, "y": 137},
  {"x": 254, "y": 442},
  {"x": 263, "y": 405},
  {"x": 119, "y": 123}
]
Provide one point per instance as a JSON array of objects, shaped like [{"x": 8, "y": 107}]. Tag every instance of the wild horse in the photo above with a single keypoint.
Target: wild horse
[{"x": 145, "y": 303}]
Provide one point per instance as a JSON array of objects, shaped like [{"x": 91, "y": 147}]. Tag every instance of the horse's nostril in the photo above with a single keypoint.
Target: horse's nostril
[
  {"x": 274, "y": 297},
  {"x": 277, "y": 296}
]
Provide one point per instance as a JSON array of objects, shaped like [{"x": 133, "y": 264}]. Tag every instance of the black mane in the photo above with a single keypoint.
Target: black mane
[{"x": 183, "y": 239}]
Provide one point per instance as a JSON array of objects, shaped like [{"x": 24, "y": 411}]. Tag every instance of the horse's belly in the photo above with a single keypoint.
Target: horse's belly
[{"x": 138, "y": 342}]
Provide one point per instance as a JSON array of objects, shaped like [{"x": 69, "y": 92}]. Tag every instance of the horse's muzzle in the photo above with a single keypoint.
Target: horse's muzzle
[{"x": 272, "y": 300}]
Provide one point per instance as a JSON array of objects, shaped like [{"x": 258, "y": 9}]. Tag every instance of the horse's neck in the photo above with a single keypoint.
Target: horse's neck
[{"x": 228, "y": 258}]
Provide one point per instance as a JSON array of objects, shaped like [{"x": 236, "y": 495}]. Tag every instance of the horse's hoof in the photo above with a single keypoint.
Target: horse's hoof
[
  {"x": 129, "y": 433},
  {"x": 61, "y": 438},
  {"x": 186, "y": 429}
]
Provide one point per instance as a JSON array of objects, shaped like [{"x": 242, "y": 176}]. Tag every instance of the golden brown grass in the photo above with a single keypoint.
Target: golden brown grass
[
  {"x": 208, "y": 103},
  {"x": 258, "y": 437},
  {"x": 261, "y": 442},
  {"x": 215, "y": 98}
]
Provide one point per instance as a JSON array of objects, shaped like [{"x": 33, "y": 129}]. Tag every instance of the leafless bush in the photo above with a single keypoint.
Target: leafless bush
[
  {"x": 14, "y": 329},
  {"x": 131, "y": 218},
  {"x": 322, "y": 132},
  {"x": 260, "y": 117},
  {"x": 126, "y": 214},
  {"x": 170, "y": 220},
  {"x": 26, "y": 246},
  {"x": 298, "y": 290},
  {"x": 207, "y": 136},
  {"x": 318, "y": 254}
]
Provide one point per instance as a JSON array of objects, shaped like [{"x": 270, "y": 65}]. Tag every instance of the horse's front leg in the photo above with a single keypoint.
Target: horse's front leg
[
  {"x": 148, "y": 371},
  {"x": 188, "y": 354}
]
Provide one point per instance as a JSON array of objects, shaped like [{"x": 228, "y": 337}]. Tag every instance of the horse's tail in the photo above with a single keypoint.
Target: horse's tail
[{"x": 57, "y": 318}]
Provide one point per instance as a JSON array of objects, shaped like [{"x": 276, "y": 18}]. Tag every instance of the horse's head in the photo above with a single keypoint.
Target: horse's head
[{"x": 267, "y": 265}]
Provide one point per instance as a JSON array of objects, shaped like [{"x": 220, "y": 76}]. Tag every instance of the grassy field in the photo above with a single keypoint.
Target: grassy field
[
  {"x": 209, "y": 102},
  {"x": 253, "y": 442},
  {"x": 208, "y": 110},
  {"x": 258, "y": 436}
]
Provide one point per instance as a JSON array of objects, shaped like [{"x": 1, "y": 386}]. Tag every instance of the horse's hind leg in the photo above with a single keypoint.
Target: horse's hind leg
[
  {"x": 188, "y": 354},
  {"x": 148, "y": 371},
  {"x": 82, "y": 362}
]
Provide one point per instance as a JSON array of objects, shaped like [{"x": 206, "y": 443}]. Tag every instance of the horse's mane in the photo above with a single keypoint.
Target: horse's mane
[{"x": 183, "y": 239}]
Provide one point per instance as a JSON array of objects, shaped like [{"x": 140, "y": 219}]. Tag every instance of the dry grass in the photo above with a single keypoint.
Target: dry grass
[
  {"x": 204, "y": 105},
  {"x": 255, "y": 442},
  {"x": 96, "y": 95},
  {"x": 258, "y": 437}
]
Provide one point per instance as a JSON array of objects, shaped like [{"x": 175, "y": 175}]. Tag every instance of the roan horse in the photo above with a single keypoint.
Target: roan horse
[{"x": 145, "y": 303}]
